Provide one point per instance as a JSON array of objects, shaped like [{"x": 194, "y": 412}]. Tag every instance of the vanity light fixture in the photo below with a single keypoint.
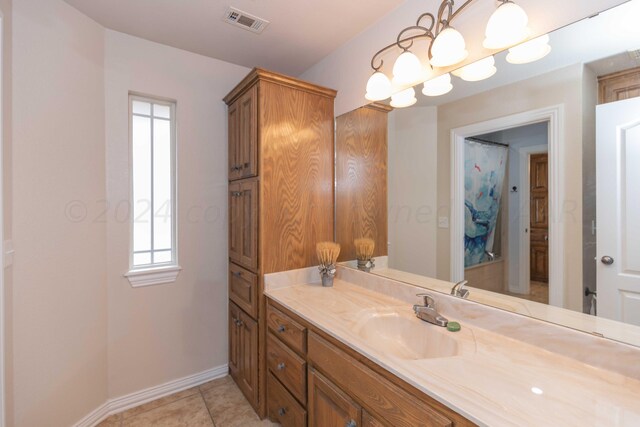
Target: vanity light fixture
[
  {"x": 405, "y": 98},
  {"x": 378, "y": 87},
  {"x": 476, "y": 71},
  {"x": 449, "y": 48},
  {"x": 530, "y": 51},
  {"x": 439, "y": 86},
  {"x": 506, "y": 27},
  {"x": 407, "y": 69}
]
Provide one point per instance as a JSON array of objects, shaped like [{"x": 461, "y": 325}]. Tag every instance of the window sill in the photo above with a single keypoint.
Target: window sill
[{"x": 153, "y": 276}]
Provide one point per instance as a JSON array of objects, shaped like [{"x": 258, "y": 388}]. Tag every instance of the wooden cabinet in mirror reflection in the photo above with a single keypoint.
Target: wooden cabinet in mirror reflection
[{"x": 361, "y": 179}]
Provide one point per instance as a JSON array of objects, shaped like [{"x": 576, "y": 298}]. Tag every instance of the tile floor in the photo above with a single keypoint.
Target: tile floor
[
  {"x": 538, "y": 292},
  {"x": 218, "y": 403}
]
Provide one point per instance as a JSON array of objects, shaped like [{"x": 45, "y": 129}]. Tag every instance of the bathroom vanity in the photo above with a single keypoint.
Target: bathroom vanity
[{"x": 356, "y": 355}]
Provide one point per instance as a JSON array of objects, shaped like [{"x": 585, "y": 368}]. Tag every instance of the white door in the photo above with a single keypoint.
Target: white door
[{"x": 618, "y": 210}]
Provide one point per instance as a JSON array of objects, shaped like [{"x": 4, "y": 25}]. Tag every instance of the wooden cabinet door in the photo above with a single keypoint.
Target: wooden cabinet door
[
  {"x": 248, "y": 358},
  {"x": 248, "y": 133},
  {"x": 234, "y": 341},
  {"x": 243, "y": 223},
  {"x": 233, "y": 115},
  {"x": 539, "y": 204},
  {"x": 618, "y": 86},
  {"x": 329, "y": 406},
  {"x": 369, "y": 420}
]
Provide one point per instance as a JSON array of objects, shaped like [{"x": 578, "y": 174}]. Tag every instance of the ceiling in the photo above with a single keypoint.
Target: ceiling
[{"x": 300, "y": 32}]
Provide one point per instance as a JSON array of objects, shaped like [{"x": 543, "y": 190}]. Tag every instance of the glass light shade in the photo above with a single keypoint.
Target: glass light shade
[
  {"x": 476, "y": 71},
  {"x": 439, "y": 86},
  {"x": 407, "y": 69},
  {"x": 449, "y": 48},
  {"x": 530, "y": 51},
  {"x": 403, "y": 99},
  {"x": 506, "y": 27},
  {"x": 378, "y": 87}
]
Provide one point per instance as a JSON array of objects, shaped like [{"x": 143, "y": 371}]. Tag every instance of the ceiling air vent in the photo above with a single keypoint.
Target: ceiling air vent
[{"x": 244, "y": 20}]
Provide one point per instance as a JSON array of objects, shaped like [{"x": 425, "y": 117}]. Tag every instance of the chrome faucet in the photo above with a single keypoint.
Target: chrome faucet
[
  {"x": 458, "y": 289},
  {"x": 428, "y": 313}
]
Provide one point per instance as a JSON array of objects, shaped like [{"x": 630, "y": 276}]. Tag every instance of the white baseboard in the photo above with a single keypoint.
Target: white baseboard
[{"x": 119, "y": 404}]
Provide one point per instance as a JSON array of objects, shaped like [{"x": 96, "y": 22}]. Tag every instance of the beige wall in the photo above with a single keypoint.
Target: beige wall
[
  {"x": 7, "y": 183},
  {"x": 58, "y": 163},
  {"x": 562, "y": 87},
  {"x": 412, "y": 163},
  {"x": 164, "y": 332},
  {"x": 78, "y": 333},
  {"x": 347, "y": 68}
]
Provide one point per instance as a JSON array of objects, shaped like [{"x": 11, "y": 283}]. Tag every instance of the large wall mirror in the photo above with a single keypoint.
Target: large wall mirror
[{"x": 526, "y": 184}]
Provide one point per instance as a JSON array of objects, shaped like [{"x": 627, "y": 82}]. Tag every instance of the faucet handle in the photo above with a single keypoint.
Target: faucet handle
[{"x": 428, "y": 300}]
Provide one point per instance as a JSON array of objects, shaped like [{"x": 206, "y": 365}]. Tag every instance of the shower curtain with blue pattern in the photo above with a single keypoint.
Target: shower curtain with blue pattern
[{"x": 484, "y": 173}]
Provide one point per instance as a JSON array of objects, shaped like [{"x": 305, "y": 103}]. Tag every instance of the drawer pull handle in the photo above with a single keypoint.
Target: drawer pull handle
[
  {"x": 237, "y": 273},
  {"x": 282, "y": 411},
  {"x": 236, "y": 193},
  {"x": 281, "y": 328},
  {"x": 280, "y": 366},
  {"x": 351, "y": 423}
]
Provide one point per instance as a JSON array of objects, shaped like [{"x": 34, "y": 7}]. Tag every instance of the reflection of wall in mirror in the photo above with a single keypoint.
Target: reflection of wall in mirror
[{"x": 412, "y": 190}]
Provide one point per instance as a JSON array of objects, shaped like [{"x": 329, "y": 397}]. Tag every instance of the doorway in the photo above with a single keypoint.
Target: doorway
[
  {"x": 516, "y": 252},
  {"x": 506, "y": 211}
]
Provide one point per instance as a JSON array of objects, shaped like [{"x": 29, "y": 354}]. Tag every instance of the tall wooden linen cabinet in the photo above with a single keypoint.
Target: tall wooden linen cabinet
[{"x": 281, "y": 203}]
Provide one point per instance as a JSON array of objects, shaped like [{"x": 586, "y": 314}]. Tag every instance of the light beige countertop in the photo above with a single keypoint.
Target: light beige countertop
[
  {"x": 491, "y": 377},
  {"x": 608, "y": 328}
]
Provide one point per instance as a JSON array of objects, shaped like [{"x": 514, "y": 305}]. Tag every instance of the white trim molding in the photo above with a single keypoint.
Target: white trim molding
[
  {"x": 120, "y": 404},
  {"x": 153, "y": 276},
  {"x": 554, "y": 115}
]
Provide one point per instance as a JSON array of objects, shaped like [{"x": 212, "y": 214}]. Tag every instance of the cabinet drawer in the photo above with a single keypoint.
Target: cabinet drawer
[
  {"x": 288, "y": 367},
  {"x": 287, "y": 329},
  {"x": 282, "y": 407},
  {"x": 243, "y": 289},
  {"x": 371, "y": 389}
]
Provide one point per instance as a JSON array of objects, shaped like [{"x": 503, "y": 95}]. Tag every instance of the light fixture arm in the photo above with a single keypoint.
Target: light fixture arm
[{"x": 446, "y": 14}]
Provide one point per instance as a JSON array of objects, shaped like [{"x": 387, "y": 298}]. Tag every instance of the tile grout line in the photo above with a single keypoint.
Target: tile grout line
[{"x": 207, "y": 406}]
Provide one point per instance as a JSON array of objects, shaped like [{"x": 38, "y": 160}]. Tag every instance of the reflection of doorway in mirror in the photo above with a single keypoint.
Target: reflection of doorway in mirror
[{"x": 516, "y": 262}]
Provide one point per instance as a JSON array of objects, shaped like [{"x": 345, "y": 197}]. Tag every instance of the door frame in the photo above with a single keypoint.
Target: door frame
[
  {"x": 524, "y": 277},
  {"x": 554, "y": 115}
]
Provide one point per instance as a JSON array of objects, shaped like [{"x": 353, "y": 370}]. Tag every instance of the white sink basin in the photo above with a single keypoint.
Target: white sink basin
[{"x": 393, "y": 332}]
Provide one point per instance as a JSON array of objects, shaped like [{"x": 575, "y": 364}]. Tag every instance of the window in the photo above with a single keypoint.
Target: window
[{"x": 153, "y": 257}]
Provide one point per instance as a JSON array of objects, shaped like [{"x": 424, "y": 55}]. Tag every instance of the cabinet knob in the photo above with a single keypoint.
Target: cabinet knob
[
  {"x": 237, "y": 273},
  {"x": 282, "y": 411},
  {"x": 281, "y": 328},
  {"x": 351, "y": 423},
  {"x": 280, "y": 366},
  {"x": 239, "y": 322},
  {"x": 236, "y": 194}
]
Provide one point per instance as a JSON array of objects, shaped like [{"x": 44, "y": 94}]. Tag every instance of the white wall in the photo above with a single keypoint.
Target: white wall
[
  {"x": 59, "y": 295},
  {"x": 168, "y": 331},
  {"x": 347, "y": 68},
  {"x": 412, "y": 175}
]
